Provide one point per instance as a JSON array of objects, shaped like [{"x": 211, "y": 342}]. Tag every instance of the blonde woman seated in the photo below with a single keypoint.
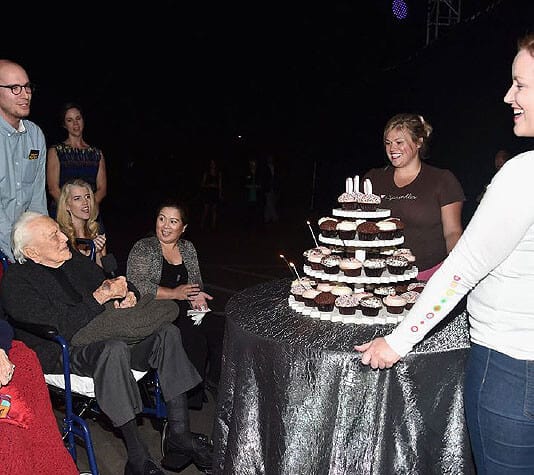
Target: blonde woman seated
[{"x": 77, "y": 214}]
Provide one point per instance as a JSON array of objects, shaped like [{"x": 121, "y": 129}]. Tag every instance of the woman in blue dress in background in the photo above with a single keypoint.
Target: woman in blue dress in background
[{"x": 75, "y": 158}]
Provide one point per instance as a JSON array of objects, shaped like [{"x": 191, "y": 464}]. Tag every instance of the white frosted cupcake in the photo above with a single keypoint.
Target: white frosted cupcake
[
  {"x": 341, "y": 289},
  {"x": 370, "y": 306},
  {"x": 346, "y": 230},
  {"x": 309, "y": 297},
  {"x": 350, "y": 266},
  {"x": 386, "y": 230},
  {"x": 394, "y": 304},
  {"x": 331, "y": 264}
]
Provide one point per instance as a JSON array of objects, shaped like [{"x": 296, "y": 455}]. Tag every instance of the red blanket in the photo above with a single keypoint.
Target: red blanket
[{"x": 31, "y": 441}]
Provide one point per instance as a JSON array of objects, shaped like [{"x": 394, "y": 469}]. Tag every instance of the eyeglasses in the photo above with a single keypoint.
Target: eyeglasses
[{"x": 16, "y": 89}]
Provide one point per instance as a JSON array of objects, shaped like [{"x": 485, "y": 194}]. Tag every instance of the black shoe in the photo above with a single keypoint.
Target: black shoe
[
  {"x": 149, "y": 468},
  {"x": 179, "y": 454}
]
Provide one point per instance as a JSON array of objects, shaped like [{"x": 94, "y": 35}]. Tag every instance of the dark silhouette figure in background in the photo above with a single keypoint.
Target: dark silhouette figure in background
[
  {"x": 253, "y": 194},
  {"x": 270, "y": 189},
  {"x": 211, "y": 185},
  {"x": 501, "y": 157}
]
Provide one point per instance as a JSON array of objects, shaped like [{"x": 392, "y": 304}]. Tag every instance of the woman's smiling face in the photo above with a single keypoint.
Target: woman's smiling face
[
  {"x": 169, "y": 225},
  {"x": 520, "y": 96},
  {"x": 400, "y": 147}
]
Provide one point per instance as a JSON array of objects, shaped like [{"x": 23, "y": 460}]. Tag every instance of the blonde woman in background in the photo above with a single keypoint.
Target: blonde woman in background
[{"x": 77, "y": 214}]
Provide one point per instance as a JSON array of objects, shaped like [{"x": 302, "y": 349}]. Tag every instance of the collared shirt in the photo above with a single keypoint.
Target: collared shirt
[{"x": 22, "y": 176}]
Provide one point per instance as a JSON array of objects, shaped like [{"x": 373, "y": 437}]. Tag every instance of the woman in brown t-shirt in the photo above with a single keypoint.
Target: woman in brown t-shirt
[{"x": 427, "y": 199}]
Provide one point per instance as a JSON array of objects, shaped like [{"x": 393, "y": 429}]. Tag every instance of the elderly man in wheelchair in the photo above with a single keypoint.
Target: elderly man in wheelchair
[{"x": 54, "y": 284}]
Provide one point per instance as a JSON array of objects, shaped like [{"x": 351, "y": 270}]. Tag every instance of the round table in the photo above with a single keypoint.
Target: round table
[{"x": 294, "y": 398}]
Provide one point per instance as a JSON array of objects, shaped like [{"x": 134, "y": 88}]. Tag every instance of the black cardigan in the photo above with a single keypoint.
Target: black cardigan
[{"x": 30, "y": 293}]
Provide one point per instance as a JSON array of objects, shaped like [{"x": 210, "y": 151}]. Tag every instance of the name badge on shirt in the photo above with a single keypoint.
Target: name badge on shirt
[{"x": 34, "y": 155}]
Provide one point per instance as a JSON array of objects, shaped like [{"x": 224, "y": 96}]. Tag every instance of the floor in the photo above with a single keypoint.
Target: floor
[{"x": 232, "y": 257}]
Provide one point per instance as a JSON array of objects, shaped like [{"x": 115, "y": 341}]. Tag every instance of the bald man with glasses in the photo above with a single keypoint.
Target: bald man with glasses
[{"x": 22, "y": 152}]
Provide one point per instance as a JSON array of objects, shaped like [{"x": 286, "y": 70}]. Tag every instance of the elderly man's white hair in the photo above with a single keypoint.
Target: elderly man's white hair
[{"x": 20, "y": 237}]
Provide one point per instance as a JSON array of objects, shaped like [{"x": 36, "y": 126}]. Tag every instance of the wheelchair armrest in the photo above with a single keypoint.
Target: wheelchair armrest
[{"x": 41, "y": 330}]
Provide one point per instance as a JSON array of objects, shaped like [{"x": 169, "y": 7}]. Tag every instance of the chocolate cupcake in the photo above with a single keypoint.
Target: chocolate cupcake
[
  {"x": 328, "y": 226},
  {"x": 384, "y": 290},
  {"x": 399, "y": 227},
  {"x": 347, "y": 201},
  {"x": 411, "y": 297},
  {"x": 346, "y": 230},
  {"x": 325, "y": 301},
  {"x": 386, "y": 230},
  {"x": 350, "y": 266},
  {"x": 370, "y": 306},
  {"x": 314, "y": 260},
  {"x": 396, "y": 265},
  {"x": 394, "y": 304},
  {"x": 368, "y": 202},
  {"x": 309, "y": 297},
  {"x": 331, "y": 264},
  {"x": 367, "y": 231},
  {"x": 374, "y": 267},
  {"x": 346, "y": 304}
]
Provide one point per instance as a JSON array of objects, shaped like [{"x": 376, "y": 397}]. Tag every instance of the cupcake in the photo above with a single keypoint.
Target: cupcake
[
  {"x": 387, "y": 251},
  {"x": 341, "y": 289},
  {"x": 350, "y": 266},
  {"x": 396, "y": 265},
  {"x": 324, "y": 286},
  {"x": 410, "y": 297},
  {"x": 416, "y": 286},
  {"x": 347, "y": 201},
  {"x": 399, "y": 227},
  {"x": 407, "y": 254},
  {"x": 325, "y": 301},
  {"x": 394, "y": 304},
  {"x": 384, "y": 290},
  {"x": 362, "y": 295},
  {"x": 370, "y": 306},
  {"x": 309, "y": 297},
  {"x": 346, "y": 230},
  {"x": 346, "y": 304},
  {"x": 314, "y": 260},
  {"x": 374, "y": 267},
  {"x": 367, "y": 231},
  {"x": 373, "y": 253},
  {"x": 331, "y": 264},
  {"x": 368, "y": 201},
  {"x": 296, "y": 291},
  {"x": 386, "y": 230},
  {"x": 306, "y": 282},
  {"x": 328, "y": 226}
]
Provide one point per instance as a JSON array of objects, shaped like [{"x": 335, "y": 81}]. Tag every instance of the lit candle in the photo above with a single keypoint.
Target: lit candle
[
  {"x": 288, "y": 265},
  {"x": 295, "y": 269},
  {"x": 313, "y": 235}
]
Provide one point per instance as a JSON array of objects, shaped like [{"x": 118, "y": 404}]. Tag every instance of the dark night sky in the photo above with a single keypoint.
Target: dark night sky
[{"x": 310, "y": 82}]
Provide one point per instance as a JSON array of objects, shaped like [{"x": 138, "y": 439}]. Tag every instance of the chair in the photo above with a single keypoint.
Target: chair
[{"x": 69, "y": 385}]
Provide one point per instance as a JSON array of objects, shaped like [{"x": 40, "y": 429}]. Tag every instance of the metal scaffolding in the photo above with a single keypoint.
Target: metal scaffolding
[{"x": 441, "y": 15}]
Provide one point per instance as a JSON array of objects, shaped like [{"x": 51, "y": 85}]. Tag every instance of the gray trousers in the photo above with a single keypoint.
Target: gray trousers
[{"x": 110, "y": 362}]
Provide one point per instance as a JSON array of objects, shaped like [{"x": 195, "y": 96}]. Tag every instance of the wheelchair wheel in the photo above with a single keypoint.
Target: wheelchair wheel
[{"x": 164, "y": 435}]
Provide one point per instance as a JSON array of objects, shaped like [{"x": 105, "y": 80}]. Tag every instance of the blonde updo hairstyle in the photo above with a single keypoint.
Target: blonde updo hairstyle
[
  {"x": 418, "y": 128},
  {"x": 64, "y": 218}
]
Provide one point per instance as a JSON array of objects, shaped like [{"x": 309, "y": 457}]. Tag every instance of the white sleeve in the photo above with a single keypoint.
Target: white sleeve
[{"x": 498, "y": 225}]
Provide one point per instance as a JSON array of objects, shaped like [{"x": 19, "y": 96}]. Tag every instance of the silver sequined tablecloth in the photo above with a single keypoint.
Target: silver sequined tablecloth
[{"x": 294, "y": 399}]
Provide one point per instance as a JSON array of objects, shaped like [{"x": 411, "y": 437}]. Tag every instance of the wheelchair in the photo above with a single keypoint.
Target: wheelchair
[{"x": 77, "y": 392}]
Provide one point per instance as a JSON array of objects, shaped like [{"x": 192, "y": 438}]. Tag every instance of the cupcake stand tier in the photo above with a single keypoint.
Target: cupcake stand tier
[
  {"x": 359, "y": 243},
  {"x": 345, "y": 213}
]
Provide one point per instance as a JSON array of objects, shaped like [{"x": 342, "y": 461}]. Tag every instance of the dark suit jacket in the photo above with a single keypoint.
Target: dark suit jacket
[{"x": 31, "y": 292}]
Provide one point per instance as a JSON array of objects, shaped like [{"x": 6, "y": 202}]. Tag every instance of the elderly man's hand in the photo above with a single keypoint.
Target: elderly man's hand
[
  {"x": 116, "y": 288},
  {"x": 378, "y": 354},
  {"x": 7, "y": 369},
  {"x": 129, "y": 301}
]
